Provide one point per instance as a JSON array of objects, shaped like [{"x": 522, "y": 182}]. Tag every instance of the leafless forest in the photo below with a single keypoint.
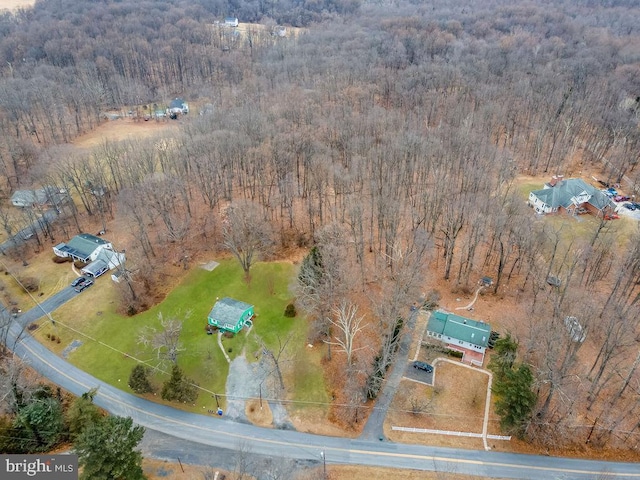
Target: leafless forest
[{"x": 388, "y": 134}]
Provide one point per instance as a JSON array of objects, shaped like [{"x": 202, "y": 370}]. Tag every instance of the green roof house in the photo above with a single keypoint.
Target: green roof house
[
  {"x": 230, "y": 315},
  {"x": 462, "y": 334},
  {"x": 83, "y": 247},
  {"x": 572, "y": 195}
]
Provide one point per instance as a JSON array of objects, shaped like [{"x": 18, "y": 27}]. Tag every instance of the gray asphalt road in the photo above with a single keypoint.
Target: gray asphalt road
[
  {"x": 48, "y": 305},
  {"x": 373, "y": 429},
  {"x": 27, "y": 233},
  {"x": 221, "y": 433}
]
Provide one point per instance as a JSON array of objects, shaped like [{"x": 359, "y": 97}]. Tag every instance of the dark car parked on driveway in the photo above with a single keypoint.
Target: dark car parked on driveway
[
  {"x": 84, "y": 285},
  {"x": 78, "y": 281},
  {"x": 423, "y": 366}
]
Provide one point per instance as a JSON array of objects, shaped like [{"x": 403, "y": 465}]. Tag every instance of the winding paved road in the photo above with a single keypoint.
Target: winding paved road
[{"x": 222, "y": 433}]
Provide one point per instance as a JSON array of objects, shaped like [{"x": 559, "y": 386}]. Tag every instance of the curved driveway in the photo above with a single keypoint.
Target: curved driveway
[{"x": 221, "y": 433}]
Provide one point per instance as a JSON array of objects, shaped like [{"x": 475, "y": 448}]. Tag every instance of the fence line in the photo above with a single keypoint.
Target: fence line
[{"x": 448, "y": 432}]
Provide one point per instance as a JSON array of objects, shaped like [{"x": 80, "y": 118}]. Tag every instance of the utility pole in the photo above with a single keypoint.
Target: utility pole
[{"x": 324, "y": 465}]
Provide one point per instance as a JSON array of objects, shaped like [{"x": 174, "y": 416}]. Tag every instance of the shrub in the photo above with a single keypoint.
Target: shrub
[
  {"x": 290, "y": 311},
  {"x": 79, "y": 265},
  {"x": 455, "y": 353},
  {"x": 431, "y": 300},
  {"x": 57, "y": 259},
  {"x": 30, "y": 284}
]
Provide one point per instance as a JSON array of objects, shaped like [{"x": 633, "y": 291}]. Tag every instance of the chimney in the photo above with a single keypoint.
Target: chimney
[
  {"x": 553, "y": 181},
  {"x": 560, "y": 179}
]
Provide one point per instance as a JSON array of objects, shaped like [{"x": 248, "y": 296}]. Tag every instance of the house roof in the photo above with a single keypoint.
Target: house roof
[
  {"x": 565, "y": 194},
  {"x": 95, "y": 266},
  {"x": 228, "y": 310},
  {"x": 176, "y": 103},
  {"x": 25, "y": 197},
  {"x": 110, "y": 258},
  {"x": 38, "y": 196},
  {"x": 82, "y": 245},
  {"x": 460, "y": 328}
]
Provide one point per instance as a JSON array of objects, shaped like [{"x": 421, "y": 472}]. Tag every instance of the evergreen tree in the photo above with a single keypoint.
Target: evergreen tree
[
  {"x": 40, "y": 424},
  {"x": 512, "y": 386},
  {"x": 106, "y": 450},
  {"x": 139, "y": 379},
  {"x": 311, "y": 270},
  {"x": 9, "y": 436},
  {"x": 178, "y": 387},
  {"x": 82, "y": 413},
  {"x": 290, "y": 310},
  {"x": 504, "y": 356},
  {"x": 515, "y": 399}
]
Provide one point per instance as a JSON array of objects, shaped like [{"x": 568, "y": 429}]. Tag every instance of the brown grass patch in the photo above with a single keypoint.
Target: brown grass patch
[
  {"x": 124, "y": 128},
  {"x": 455, "y": 403},
  {"x": 162, "y": 470},
  {"x": 314, "y": 420},
  {"x": 361, "y": 473},
  {"x": 257, "y": 414},
  {"x": 52, "y": 277}
]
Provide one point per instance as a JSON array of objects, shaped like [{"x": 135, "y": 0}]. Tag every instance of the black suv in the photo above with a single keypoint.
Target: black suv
[
  {"x": 423, "y": 366},
  {"x": 84, "y": 285},
  {"x": 78, "y": 281}
]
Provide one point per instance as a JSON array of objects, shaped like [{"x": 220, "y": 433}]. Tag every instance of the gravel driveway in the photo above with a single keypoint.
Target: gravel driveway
[{"x": 244, "y": 382}]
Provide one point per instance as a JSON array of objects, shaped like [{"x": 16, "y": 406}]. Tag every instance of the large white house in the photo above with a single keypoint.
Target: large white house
[
  {"x": 572, "y": 195},
  {"x": 96, "y": 252}
]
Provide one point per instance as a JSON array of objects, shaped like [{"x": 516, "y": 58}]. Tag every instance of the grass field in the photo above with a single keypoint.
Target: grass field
[
  {"x": 110, "y": 348},
  {"x": 456, "y": 402}
]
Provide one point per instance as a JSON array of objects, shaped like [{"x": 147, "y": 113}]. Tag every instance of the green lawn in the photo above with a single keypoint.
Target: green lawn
[
  {"x": 108, "y": 353},
  {"x": 525, "y": 188}
]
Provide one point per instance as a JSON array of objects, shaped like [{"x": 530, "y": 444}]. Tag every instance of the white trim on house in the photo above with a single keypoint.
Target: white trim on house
[{"x": 454, "y": 341}]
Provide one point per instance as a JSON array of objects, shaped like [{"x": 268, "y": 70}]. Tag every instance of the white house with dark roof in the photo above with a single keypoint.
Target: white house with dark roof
[
  {"x": 572, "y": 195},
  {"x": 49, "y": 195},
  {"x": 231, "y": 21},
  {"x": 178, "y": 107},
  {"x": 465, "y": 335},
  {"x": 84, "y": 247},
  {"x": 96, "y": 252},
  {"x": 105, "y": 260}
]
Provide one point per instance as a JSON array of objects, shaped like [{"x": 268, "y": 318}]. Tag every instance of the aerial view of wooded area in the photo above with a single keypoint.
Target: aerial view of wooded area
[{"x": 348, "y": 168}]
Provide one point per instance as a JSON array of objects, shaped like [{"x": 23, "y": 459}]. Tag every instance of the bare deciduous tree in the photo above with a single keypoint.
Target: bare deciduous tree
[
  {"x": 164, "y": 341},
  {"x": 246, "y": 233},
  {"x": 349, "y": 325},
  {"x": 15, "y": 387}
]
